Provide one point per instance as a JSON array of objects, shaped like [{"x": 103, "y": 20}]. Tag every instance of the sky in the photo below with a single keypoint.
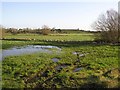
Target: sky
[{"x": 63, "y": 15}]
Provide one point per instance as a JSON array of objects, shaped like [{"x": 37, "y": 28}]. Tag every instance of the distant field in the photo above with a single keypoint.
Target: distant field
[
  {"x": 52, "y": 37},
  {"x": 73, "y": 31},
  {"x": 66, "y": 37}
]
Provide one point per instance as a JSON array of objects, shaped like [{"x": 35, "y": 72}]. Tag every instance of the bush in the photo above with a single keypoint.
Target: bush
[
  {"x": 108, "y": 25},
  {"x": 45, "y": 30}
]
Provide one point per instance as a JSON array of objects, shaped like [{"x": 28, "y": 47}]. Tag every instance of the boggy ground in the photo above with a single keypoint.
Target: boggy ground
[{"x": 81, "y": 64}]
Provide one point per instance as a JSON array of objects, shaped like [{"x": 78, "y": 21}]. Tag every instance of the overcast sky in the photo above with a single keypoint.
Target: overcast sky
[{"x": 54, "y": 14}]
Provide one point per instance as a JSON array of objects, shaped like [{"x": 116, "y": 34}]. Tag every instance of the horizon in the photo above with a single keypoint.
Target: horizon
[{"x": 61, "y": 15}]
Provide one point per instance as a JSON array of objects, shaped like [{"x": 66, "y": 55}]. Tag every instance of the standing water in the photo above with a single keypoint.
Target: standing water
[{"x": 27, "y": 50}]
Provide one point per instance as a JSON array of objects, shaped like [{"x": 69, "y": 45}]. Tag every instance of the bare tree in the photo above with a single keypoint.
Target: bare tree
[
  {"x": 108, "y": 25},
  {"x": 45, "y": 30}
]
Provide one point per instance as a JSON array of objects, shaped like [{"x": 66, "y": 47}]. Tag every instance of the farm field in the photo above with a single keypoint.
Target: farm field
[
  {"x": 36, "y": 38},
  {"x": 81, "y": 62},
  {"x": 59, "y": 37}
]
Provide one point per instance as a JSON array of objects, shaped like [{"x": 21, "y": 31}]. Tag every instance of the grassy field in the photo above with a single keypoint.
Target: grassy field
[
  {"x": 99, "y": 63},
  {"x": 59, "y": 37},
  {"x": 38, "y": 39}
]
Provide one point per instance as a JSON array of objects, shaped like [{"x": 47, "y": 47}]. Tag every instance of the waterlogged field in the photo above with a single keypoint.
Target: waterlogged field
[{"x": 79, "y": 64}]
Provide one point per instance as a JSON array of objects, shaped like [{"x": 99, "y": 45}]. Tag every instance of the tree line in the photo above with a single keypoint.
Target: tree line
[
  {"x": 45, "y": 30},
  {"x": 107, "y": 24}
]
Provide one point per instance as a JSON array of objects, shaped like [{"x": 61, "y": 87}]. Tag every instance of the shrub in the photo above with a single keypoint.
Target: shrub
[
  {"x": 45, "y": 30},
  {"x": 108, "y": 26}
]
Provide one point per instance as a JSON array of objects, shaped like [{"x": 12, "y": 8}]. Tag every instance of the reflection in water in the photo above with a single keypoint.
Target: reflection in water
[
  {"x": 55, "y": 59},
  {"x": 26, "y": 50},
  {"x": 77, "y": 69},
  {"x": 60, "y": 67}
]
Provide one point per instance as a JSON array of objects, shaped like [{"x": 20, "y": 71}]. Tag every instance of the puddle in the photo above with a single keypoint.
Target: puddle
[
  {"x": 27, "y": 50},
  {"x": 81, "y": 55},
  {"x": 77, "y": 69},
  {"x": 55, "y": 59},
  {"x": 46, "y": 47},
  {"x": 60, "y": 67},
  {"x": 74, "y": 53}
]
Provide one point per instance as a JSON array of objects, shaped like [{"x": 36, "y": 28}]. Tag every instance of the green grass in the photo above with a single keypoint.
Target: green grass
[
  {"x": 59, "y": 37},
  {"x": 100, "y": 65},
  {"x": 38, "y": 39}
]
